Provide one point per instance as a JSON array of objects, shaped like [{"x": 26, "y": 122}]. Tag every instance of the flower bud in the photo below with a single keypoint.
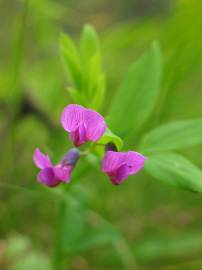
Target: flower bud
[
  {"x": 110, "y": 147},
  {"x": 70, "y": 158}
]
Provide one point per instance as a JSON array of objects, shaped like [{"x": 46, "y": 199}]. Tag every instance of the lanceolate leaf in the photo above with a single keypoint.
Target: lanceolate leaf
[
  {"x": 173, "y": 135},
  {"x": 70, "y": 59},
  {"x": 137, "y": 95},
  {"x": 84, "y": 68},
  {"x": 175, "y": 170},
  {"x": 89, "y": 43},
  {"x": 100, "y": 93}
]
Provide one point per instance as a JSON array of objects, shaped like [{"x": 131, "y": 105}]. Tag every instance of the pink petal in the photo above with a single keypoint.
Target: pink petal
[
  {"x": 47, "y": 177},
  {"x": 113, "y": 160},
  {"x": 41, "y": 161},
  {"x": 63, "y": 173},
  {"x": 119, "y": 165},
  {"x": 119, "y": 175},
  {"x": 79, "y": 135},
  {"x": 95, "y": 125},
  {"x": 83, "y": 124},
  {"x": 72, "y": 116},
  {"x": 135, "y": 161}
]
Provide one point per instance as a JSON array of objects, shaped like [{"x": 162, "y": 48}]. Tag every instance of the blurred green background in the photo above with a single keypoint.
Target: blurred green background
[{"x": 161, "y": 226}]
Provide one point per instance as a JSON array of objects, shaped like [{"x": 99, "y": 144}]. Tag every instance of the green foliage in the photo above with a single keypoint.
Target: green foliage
[
  {"x": 173, "y": 169},
  {"x": 71, "y": 59},
  {"x": 98, "y": 236},
  {"x": 85, "y": 236},
  {"x": 111, "y": 137},
  {"x": 137, "y": 94},
  {"x": 172, "y": 136},
  {"x": 91, "y": 229},
  {"x": 71, "y": 234},
  {"x": 84, "y": 68},
  {"x": 90, "y": 44},
  {"x": 148, "y": 215}
]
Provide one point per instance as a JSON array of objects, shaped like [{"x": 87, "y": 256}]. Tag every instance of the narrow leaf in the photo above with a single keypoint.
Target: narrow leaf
[
  {"x": 70, "y": 59},
  {"x": 173, "y": 135},
  {"x": 137, "y": 95},
  {"x": 100, "y": 93},
  {"x": 77, "y": 96},
  {"x": 175, "y": 170},
  {"x": 89, "y": 42}
]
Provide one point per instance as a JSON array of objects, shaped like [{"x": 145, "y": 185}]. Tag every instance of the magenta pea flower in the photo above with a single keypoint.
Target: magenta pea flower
[
  {"x": 82, "y": 124},
  {"x": 52, "y": 175},
  {"x": 119, "y": 165}
]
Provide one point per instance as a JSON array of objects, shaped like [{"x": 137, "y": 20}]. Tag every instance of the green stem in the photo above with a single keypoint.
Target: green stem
[{"x": 58, "y": 261}]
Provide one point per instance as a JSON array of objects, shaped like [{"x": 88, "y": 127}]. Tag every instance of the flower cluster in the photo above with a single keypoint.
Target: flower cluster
[{"x": 85, "y": 125}]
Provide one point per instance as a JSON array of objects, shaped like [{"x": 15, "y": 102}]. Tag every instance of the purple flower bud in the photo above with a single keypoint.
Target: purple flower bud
[
  {"x": 110, "y": 147},
  {"x": 119, "y": 165},
  {"x": 52, "y": 175},
  {"x": 70, "y": 158},
  {"x": 82, "y": 124}
]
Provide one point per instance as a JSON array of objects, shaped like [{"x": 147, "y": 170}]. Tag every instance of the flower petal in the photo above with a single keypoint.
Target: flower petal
[
  {"x": 135, "y": 161},
  {"x": 119, "y": 165},
  {"x": 41, "y": 161},
  {"x": 79, "y": 135},
  {"x": 72, "y": 116},
  {"x": 119, "y": 175},
  {"x": 113, "y": 160},
  {"x": 47, "y": 177},
  {"x": 83, "y": 124},
  {"x": 95, "y": 125},
  {"x": 63, "y": 173}
]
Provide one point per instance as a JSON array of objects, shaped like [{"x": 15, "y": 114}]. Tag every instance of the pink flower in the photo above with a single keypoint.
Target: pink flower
[
  {"x": 119, "y": 165},
  {"x": 82, "y": 124},
  {"x": 51, "y": 175}
]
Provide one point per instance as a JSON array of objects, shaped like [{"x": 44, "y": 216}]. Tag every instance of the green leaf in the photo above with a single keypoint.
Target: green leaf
[
  {"x": 111, "y": 137},
  {"x": 137, "y": 94},
  {"x": 70, "y": 59},
  {"x": 89, "y": 43},
  {"x": 173, "y": 135},
  {"x": 72, "y": 227},
  {"x": 175, "y": 170},
  {"x": 75, "y": 95},
  {"x": 100, "y": 236},
  {"x": 100, "y": 93},
  {"x": 78, "y": 234},
  {"x": 93, "y": 73},
  {"x": 78, "y": 96},
  {"x": 93, "y": 82}
]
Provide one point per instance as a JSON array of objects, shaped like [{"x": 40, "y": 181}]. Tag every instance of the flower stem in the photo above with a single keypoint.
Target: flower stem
[{"x": 58, "y": 261}]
